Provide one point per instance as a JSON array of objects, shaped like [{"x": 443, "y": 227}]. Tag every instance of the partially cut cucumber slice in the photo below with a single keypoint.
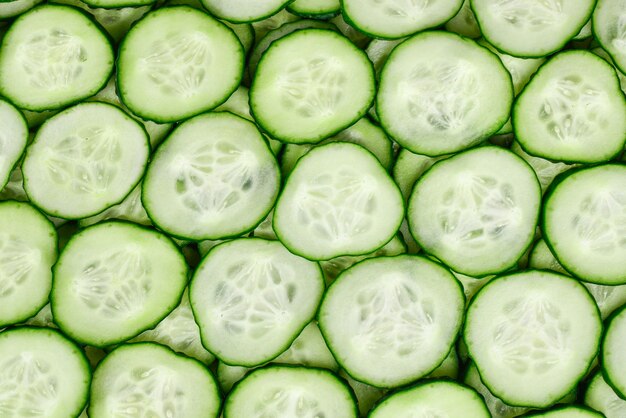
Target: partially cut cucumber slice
[
  {"x": 614, "y": 354},
  {"x": 584, "y": 223},
  {"x": 533, "y": 336},
  {"x": 338, "y": 200},
  {"x": 399, "y": 319},
  {"x": 476, "y": 211},
  {"x": 214, "y": 177},
  {"x": 573, "y": 110},
  {"x": 319, "y": 9},
  {"x": 114, "y": 280},
  {"x": 531, "y": 28},
  {"x": 28, "y": 249},
  {"x": 601, "y": 397},
  {"x": 53, "y": 56},
  {"x": 84, "y": 160},
  {"x": 251, "y": 299},
  {"x": 440, "y": 93},
  {"x": 150, "y": 380},
  {"x": 239, "y": 11},
  {"x": 288, "y": 392},
  {"x": 609, "y": 28},
  {"x": 13, "y": 137},
  {"x": 439, "y": 398},
  {"x": 310, "y": 85},
  {"x": 166, "y": 76},
  {"x": 42, "y": 374},
  {"x": 567, "y": 412}
]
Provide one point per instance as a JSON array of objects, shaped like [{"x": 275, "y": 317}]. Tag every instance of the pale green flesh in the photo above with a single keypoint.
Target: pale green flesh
[
  {"x": 243, "y": 10},
  {"x": 609, "y": 27},
  {"x": 496, "y": 406},
  {"x": 13, "y": 137},
  {"x": 613, "y": 353},
  {"x": 601, "y": 397},
  {"x": 315, "y": 7}
]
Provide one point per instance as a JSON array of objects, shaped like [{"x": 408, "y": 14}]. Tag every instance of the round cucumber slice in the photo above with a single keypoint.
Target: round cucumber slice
[
  {"x": 532, "y": 336},
  {"x": 433, "y": 399},
  {"x": 239, "y": 11},
  {"x": 287, "y": 392},
  {"x": 28, "y": 249},
  {"x": 167, "y": 76},
  {"x": 584, "y": 223},
  {"x": 252, "y": 298},
  {"x": 53, "y": 56},
  {"x": 476, "y": 211},
  {"x": 573, "y": 110},
  {"x": 613, "y": 353},
  {"x": 114, "y": 280},
  {"x": 440, "y": 93},
  {"x": 150, "y": 380},
  {"x": 84, "y": 160},
  {"x": 42, "y": 373},
  {"x": 310, "y": 85},
  {"x": 338, "y": 201},
  {"x": 214, "y": 177},
  {"x": 399, "y": 319}
]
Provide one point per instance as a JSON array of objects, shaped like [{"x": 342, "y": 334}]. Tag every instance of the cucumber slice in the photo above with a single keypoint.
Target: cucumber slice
[
  {"x": 118, "y": 4},
  {"x": 573, "y": 110},
  {"x": 251, "y": 299},
  {"x": 338, "y": 201},
  {"x": 13, "y": 138},
  {"x": 84, "y": 160},
  {"x": 609, "y": 28},
  {"x": 15, "y": 8},
  {"x": 287, "y": 392},
  {"x": 399, "y": 319},
  {"x": 433, "y": 399},
  {"x": 114, "y": 280},
  {"x": 150, "y": 380},
  {"x": 440, "y": 93},
  {"x": 310, "y": 85},
  {"x": 239, "y": 11},
  {"x": 214, "y": 177},
  {"x": 531, "y": 28},
  {"x": 166, "y": 76},
  {"x": 378, "y": 51},
  {"x": 568, "y": 412},
  {"x": 393, "y": 19},
  {"x": 533, "y": 336},
  {"x": 613, "y": 353},
  {"x": 584, "y": 224},
  {"x": 464, "y": 22},
  {"x": 42, "y": 373},
  {"x": 53, "y": 56},
  {"x": 319, "y": 9},
  {"x": 28, "y": 249},
  {"x": 601, "y": 397},
  {"x": 476, "y": 211}
]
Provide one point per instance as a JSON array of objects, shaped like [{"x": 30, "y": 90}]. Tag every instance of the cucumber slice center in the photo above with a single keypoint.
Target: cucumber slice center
[
  {"x": 529, "y": 14},
  {"x": 287, "y": 402},
  {"x": 17, "y": 260},
  {"x": 601, "y": 221},
  {"x": 177, "y": 64},
  {"x": 52, "y": 59},
  {"x": 533, "y": 336},
  {"x": 27, "y": 387},
  {"x": 148, "y": 392},
  {"x": 405, "y": 9}
]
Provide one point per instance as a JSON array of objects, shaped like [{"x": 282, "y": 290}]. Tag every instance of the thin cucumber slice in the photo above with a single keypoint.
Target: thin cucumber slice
[
  {"x": 130, "y": 209},
  {"x": 42, "y": 373},
  {"x": 28, "y": 249},
  {"x": 338, "y": 201},
  {"x": 53, "y": 56},
  {"x": 609, "y": 28},
  {"x": 118, "y": 4},
  {"x": 614, "y": 354},
  {"x": 85, "y": 159},
  {"x": 545, "y": 170},
  {"x": 179, "y": 332},
  {"x": 601, "y": 397},
  {"x": 496, "y": 406},
  {"x": 228, "y": 375},
  {"x": 15, "y": 8},
  {"x": 533, "y": 336},
  {"x": 476, "y": 211},
  {"x": 320, "y": 9},
  {"x": 114, "y": 280},
  {"x": 214, "y": 177},
  {"x": 173, "y": 75},
  {"x": 408, "y": 168},
  {"x": 471, "y": 285},
  {"x": 573, "y": 110},
  {"x": 393, "y": 19},
  {"x": 262, "y": 27},
  {"x": 287, "y": 392},
  {"x": 13, "y": 138},
  {"x": 584, "y": 224},
  {"x": 433, "y": 398},
  {"x": 366, "y": 395},
  {"x": 310, "y": 85},
  {"x": 150, "y": 380},
  {"x": 251, "y": 299},
  {"x": 358, "y": 38},
  {"x": 239, "y": 11},
  {"x": 440, "y": 93},
  {"x": 399, "y": 319},
  {"x": 378, "y": 51},
  {"x": 531, "y": 28},
  {"x": 567, "y": 412},
  {"x": 464, "y": 22},
  {"x": 608, "y": 298}
]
